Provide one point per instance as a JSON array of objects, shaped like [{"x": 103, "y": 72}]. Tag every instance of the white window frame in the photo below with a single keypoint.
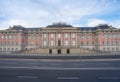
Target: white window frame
[
  {"x": 73, "y": 43},
  {"x": 66, "y": 43},
  {"x": 66, "y": 35},
  {"x": 59, "y": 35},
  {"x": 52, "y": 35},
  {"x": 44, "y": 35},
  {"x": 45, "y": 43},
  {"x": 51, "y": 43},
  {"x": 2, "y": 37},
  {"x": 73, "y": 35}
]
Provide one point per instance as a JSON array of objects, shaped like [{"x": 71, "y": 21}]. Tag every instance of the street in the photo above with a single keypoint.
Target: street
[{"x": 47, "y": 70}]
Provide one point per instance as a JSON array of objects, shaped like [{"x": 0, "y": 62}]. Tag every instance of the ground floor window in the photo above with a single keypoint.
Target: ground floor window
[
  {"x": 0, "y": 49},
  {"x": 8, "y": 49}
]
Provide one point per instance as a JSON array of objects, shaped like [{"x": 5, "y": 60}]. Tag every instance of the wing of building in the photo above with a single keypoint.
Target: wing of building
[{"x": 60, "y": 38}]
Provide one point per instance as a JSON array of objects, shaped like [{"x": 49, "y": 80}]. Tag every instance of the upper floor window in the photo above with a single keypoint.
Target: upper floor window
[
  {"x": 51, "y": 43},
  {"x": 45, "y": 43},
  {"x": 59, "y": 36},
  {"x": 73, "y": 35},
  {"x": 45, "y": 35},
  {"x": 73, "y": 43},
  {"x": 52, "y": 35},
  {"x": 31, "y": 43},
  {"x": 66, "y": 43},
  {"x": 2, "y": 37},
  {"x": 66, "y": 35}
]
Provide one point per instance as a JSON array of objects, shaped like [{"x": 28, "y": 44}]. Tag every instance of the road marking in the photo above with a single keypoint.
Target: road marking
[
  {"x": 67, "y": 77},
  {"x": 12, "y": 62},
  {"x": 115, "y": 78},
  {"x": 32, "y": 77},
  {"x": 62, "y": 68},
  {"x": 55, "y": 64}
]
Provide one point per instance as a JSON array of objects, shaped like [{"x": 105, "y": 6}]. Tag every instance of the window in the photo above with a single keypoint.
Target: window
[
  {"x": 117, "y": 49},
  {"x": 52, "y": 35},
  {"x": 51, "y": 43},
  {"x": 31, "y": 43},
  {"x": 12, "y": 49},
  {"x": 66, "y": 43},
  {"x": 73, "y": 43},
  {"x": 59, "y": 36},
  {"x": 17, "y": 43},
  {"x": 87, "y": 43},
  {"x": 103, "y": 49},
  {"x": 4, "y": 49},
  {"x": 45, "y": 43},
  {"x": 45, "y": 35},
  {"x": 2, "y": 37},
  {"x": 66, "y": 35},
  {"x": 108, "y": 49},
  {"x": 73, "y": 35},
  {"x": 103, "y": 43},
  {"x": 0, "y": 49},
  {"x": 16, "y": 49},
  {"x": 59, "y": 43},
  {"x": 8, "y": 49},
  {"x": 82, "y": 43},
  {"x": 112, "y": 49}
]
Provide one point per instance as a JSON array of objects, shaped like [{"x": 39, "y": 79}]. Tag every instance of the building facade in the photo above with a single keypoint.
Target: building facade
[{"x": 60, "y": 38}]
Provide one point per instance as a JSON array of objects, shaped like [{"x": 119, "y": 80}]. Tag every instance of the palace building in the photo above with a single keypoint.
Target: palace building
[{"x": 60, "y": 38}]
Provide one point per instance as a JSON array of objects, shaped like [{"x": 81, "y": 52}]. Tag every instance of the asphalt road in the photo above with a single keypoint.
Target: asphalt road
[{"x": 45, "y": 70}]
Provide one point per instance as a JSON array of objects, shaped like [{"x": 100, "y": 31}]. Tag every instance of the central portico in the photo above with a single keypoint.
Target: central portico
[{"x": 59, "y": 38}]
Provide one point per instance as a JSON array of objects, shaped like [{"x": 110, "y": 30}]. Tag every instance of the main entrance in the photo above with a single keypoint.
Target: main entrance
[
  {"x": 59, "y": 51},
  {"x": 50, "y": 51},
  {"x": 68, "y": 51}
]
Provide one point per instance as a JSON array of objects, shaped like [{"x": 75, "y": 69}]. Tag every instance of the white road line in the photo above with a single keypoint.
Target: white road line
[
  {"x": 27, "y": 77},
  {"x": 55, "y": 64},
  {"x": 12, "y": 63},
  {"x": 115, "y": 78},
  {"x": 67, "y": 77},
  {"x": 62, "y": 68}
]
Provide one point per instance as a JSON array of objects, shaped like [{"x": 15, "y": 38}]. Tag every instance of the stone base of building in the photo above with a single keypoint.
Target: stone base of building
[{"x": 61, "y": 51}]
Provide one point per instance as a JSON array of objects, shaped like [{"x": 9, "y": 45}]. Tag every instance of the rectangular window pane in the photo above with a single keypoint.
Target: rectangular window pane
[
  {"x": 73, "y": 43},
  {"x": 66, "y": 35},
  {"x": 73, "y": 35},
  {"x": 51, "y": 43},
  {"x": 45, "y": 35},
  {"x": 58, "y": 35},
  {"x": 45, "y": 43}
]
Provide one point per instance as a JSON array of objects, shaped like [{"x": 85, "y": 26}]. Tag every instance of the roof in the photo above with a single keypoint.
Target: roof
[
  {"x": 101, "y": 26},
  {"x": 17, "y": 27},
  {"x": 87, "y": 28},
  {"x": 54, "y": 25},
  {"x": 31, "y": 29},
  {"x": 59, "y": 24}
]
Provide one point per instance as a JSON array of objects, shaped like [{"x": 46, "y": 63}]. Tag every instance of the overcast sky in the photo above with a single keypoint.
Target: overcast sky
[{"x": 40, "y": 13}]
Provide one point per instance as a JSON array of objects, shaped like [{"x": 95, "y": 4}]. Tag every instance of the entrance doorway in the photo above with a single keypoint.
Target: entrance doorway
[
  {"x": 68, "y": 51},
  {"x": 50, "y": 51},
  {"x": 59, "y": 51}
]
